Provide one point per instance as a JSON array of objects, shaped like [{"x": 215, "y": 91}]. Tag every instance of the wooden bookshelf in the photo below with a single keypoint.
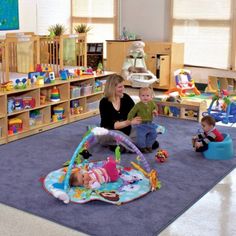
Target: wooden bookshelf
[{"x": 43, "y": 113}]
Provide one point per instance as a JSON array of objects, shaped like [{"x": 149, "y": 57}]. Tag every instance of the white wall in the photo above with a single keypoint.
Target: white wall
[{"x": 149, "y": 19}]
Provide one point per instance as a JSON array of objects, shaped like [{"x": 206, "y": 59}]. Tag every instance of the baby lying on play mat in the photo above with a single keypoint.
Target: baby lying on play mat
[{"x": 93, "y": 178}]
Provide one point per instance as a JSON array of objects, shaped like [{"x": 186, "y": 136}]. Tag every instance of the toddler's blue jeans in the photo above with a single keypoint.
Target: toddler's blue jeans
[{"x": 146, "y": 134}]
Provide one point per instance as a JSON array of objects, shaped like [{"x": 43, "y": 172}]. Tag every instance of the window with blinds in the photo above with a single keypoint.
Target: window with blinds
[
  {"x": 100, "y": 15},
  {"x": 205, "y": 27}
]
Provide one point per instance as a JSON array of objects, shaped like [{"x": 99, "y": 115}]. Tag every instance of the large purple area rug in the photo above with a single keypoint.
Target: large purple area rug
[{"x": 185, "y": 177}]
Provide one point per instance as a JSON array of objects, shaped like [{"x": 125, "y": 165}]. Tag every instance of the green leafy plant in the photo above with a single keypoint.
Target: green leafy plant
[
  {"x": 56, "y": 30},
  {"x": 82, "y": 28}
]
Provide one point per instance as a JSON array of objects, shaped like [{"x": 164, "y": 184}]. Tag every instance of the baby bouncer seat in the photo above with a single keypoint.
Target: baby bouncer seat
[
  {"x": 184, "y": 83},
  {"x": 134, "y": 68}
]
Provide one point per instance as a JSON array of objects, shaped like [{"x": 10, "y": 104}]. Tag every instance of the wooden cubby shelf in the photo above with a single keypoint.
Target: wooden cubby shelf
[
  {"x": 188, "y": 110},
  {"x": 24, "y": 112}
]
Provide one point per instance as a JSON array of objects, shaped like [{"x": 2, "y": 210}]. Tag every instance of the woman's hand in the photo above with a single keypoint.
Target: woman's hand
[{"x": 136, "y": 120}]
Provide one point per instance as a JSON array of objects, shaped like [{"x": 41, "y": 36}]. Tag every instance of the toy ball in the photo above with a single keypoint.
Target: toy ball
[{"x": 161, "y": 155}]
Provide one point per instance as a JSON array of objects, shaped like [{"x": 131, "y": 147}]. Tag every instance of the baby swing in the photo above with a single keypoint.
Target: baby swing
[
  {"x": 134, "y": 68},
  {"x": 132, "y": 183}
]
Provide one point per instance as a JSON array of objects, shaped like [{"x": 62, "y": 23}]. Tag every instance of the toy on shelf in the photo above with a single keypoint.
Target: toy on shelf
[
  {"x": 98, "y": 86},
  {"x": 18, "y": 104},
  {"x": 132, "y": 183},
  {"x": 172, "y": 110},
  {"x": 40, "y": 80},
  {"x": 20, "y": 83},
  {"x": 161, "y": 155},
  {"x": 75, "y": 108},
  {"x": 78, "y": 72},
  {"x": 55, "y": 94},
  {"x": 10, "y": 105},
  {"x": 32, "y": 76},
  {"x": 7, "y": 86},
  {"x": 42, "y": 99},
  {"x": 88, "y": 71},
  {"x": 100, "y": 68},
  {"x": 36, "y": 118},
  {"x": 86, "y": 89},
  {"x": 44, "y": 76},
  {"x": 39, "y": 68},
  {"x": 15, "y": 125},
  {"x": 134, "y": 68},
  {"x": 48, "y": 77},
  {"x": 28, "y": 102},
  {"x": 184, "y": 83},
  {"x": 51, "y": 77},
  {"x": 75, "y": 91},
  {"x": 64, "y": 74},
  {"x": 46, "y": 69},
  {"x": 58, "y": 113}
]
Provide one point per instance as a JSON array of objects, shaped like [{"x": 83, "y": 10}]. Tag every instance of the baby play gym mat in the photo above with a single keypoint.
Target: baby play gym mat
[{"x": 131, "y": 184}]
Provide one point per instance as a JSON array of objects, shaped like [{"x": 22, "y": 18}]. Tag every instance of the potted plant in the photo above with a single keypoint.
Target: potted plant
[
  {"x": 56, "y": 30},
  {"x": 82, "y": 28}
]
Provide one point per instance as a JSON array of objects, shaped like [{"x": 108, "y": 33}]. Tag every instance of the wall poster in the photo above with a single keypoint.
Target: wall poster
[{"x": 9, "y": 15}]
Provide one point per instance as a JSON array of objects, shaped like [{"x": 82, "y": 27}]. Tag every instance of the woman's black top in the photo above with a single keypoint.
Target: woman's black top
[{"x": 109, "y": 115}]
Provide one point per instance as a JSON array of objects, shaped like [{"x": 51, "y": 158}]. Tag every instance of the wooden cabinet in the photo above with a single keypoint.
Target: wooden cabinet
[
  {"x": 24, "y": 112},
  {"x": 117, "y": 51},
  {"x": 162, "y": 59}
]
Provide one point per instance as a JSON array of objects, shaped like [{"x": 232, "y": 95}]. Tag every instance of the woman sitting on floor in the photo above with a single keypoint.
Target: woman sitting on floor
[{"x": 114, "y": 109}]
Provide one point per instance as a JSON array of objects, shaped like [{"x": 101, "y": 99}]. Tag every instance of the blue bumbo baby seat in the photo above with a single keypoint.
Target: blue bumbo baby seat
[{"x": 220, "y": 150}]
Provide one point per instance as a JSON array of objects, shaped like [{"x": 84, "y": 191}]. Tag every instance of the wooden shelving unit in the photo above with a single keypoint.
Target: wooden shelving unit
[
  {"x": 221, "y": 83},
  {"x": 87, "y": 100},
  {"x": 3, "y": 119},
  {"x": 188, "y": 110}
]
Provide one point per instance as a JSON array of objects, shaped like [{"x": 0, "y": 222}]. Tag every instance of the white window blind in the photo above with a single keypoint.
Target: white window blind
[
  {"x": 101, "y": 15},
  {"x": 52, "y": 12},
  {"x": 93, "y": 8},
  {"x": 204, "y": 26}
]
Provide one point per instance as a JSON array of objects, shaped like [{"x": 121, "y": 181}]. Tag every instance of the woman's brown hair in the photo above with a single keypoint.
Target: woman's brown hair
[{"x": 110, "y": 86}]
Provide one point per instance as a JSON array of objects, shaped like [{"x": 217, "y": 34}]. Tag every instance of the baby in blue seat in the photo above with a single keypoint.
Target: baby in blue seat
[{"x": 210, "y": 134}]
